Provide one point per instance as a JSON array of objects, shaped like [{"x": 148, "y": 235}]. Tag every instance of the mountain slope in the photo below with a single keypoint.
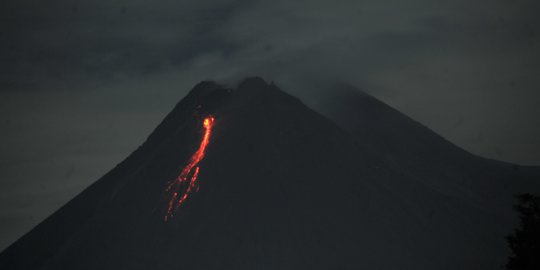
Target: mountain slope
[
  {"x": 424, "y": 155},
  {"x": 281, "y": 187}
]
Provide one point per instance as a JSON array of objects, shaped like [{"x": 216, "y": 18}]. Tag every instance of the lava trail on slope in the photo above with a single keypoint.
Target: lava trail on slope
[{"x": 180, "y": 188}]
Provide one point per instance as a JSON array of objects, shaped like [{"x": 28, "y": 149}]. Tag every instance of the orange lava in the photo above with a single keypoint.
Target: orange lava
[{"x": 180, "y": 188}]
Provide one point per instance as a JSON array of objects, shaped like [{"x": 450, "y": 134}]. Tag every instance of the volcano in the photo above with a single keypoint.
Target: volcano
[{"x": 269, "y": 183}]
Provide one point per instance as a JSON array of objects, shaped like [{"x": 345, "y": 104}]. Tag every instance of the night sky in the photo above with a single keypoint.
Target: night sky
[{"x": 83, "y": 83}]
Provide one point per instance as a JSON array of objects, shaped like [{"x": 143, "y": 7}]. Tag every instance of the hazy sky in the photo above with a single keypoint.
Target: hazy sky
[{"x": 82, "y": 83}]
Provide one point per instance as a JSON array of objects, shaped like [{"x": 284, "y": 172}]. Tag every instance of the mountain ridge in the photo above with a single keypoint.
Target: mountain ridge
[{"x": 281, "y": 186}]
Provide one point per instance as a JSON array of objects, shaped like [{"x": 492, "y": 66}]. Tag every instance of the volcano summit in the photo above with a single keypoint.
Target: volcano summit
[{"x": 283, "y": 187}]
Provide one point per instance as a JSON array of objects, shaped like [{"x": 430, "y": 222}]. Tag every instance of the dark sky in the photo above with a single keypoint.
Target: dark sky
[{"x": 82, "y": 83}]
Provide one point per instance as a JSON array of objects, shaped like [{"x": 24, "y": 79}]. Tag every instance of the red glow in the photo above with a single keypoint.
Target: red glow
[{"x": 187, "y": 180}]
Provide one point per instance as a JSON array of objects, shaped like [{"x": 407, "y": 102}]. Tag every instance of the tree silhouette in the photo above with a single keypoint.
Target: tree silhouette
[{"x": 524, "y": 243}]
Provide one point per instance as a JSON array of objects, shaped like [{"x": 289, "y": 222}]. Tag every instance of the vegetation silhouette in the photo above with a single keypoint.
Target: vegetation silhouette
[{"x": 524, "y": 243}]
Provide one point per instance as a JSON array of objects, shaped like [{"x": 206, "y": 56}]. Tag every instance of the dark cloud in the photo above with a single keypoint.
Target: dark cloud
[
  {"x": 98, "y": 40},
  {"x": 83, "y": 83}
]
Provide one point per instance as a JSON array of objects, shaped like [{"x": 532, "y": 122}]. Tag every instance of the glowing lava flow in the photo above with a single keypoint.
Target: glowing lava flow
[{"x": 187, "y": 180}]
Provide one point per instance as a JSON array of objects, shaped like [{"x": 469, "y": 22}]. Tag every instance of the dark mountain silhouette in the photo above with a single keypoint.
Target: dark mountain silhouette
[
  {"x": 283, "y": 187},
  {"x": 423, "y": 154}
]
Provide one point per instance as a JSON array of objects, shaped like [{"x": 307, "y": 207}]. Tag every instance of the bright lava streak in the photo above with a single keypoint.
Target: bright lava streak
[{"x": 180, "y": 188}]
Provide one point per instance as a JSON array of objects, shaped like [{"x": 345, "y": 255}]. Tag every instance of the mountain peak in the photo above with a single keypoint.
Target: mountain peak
[
  {"x": 252, "y": 82},
  {"x": 281, "y": 187}
]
